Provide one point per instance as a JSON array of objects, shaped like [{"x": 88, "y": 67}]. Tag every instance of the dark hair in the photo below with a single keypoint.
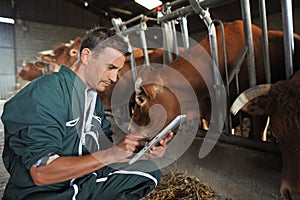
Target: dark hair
[{"x": 98, "y": 38}]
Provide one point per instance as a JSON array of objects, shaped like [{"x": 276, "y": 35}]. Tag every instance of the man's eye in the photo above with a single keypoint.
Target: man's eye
[{"x": 111, "y": 67}]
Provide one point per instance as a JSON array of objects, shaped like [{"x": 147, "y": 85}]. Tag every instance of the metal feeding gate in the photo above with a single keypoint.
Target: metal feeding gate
[{"x": 168, "y": 19}]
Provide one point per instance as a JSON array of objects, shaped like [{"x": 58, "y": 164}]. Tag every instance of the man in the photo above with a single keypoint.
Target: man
[{"x": 58, "y": 142}]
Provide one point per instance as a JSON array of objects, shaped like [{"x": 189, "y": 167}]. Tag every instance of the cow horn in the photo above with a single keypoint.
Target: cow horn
[
  {"x": 249, "y": 95},
  {"x": 46, "y": 52},
  {"x": 137, "y": 85}
]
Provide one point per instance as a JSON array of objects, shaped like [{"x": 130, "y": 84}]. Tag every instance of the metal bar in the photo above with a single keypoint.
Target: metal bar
[
  {"x": 205, "y": 16},
  {"x": 237, "y": 65},
  {"x": 115, "y": 22},
  {"x": 175, "y": 42},
  {"x": 139, "y": 17},
  {"x": 263, "y": 18},
  {"x": 218, "y": 95},
  {"x": 175, "y": 14},
  {"x": 168, "y": 37},
  {"x": 167, "y": 42},
  {"x": 188, "y": 9},
  {"x": 133, "y": 68},
  {"x": 144, "y": 42},
  {"x": 184, "y": 30},
  {"x": 245, "y": 5},
  {"x": 288, "y": 38},
  {"x": 228, "y": 121}
]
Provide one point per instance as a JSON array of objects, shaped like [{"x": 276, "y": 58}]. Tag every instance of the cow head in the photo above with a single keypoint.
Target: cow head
[
  {"x": 155, "y": 104},
  {"x": 281, "y": 101},
  {"x": 64, "y": 54},
  {"x": 32, "y": 70}
]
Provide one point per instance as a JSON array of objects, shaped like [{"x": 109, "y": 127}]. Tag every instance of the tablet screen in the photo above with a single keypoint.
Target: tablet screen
[{"x": 171, "y": 126}]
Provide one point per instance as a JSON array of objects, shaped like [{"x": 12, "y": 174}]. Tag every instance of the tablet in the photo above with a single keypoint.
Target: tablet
[{"x": 171, "y": 126}]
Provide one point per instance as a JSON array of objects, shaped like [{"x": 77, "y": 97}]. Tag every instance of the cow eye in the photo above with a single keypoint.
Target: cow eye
[
  {"x": 140, "y": 100},
  {"x": 73, "y": 52}
]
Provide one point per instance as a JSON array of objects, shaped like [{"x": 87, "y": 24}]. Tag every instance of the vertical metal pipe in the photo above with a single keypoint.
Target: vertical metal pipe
[
  {"x": 168, "y": 36},
  {"x": 167, "y": 42},
  {"x": 116, "y": 22},
  {"x": 184, "y": 30},
  {"x": 228, "y": 121},
  {"x": 264, "y": 26},
  {"x": 133, "y": 67},
  {"x": 144, "y": 47},
  {"x": 175, "y": 44},
  {"x": 288, "y": 38},
  {"x": 213, "y": 47},
  {"x": 144, "y": 42},
  {"x": 245, "y": 5}
]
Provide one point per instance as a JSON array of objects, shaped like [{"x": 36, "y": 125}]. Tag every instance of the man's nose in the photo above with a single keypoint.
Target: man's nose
[{"x": 114, "y": 76}]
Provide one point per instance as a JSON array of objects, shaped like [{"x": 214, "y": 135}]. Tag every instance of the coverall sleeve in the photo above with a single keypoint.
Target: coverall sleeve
[{"x": 35, "y": 123}]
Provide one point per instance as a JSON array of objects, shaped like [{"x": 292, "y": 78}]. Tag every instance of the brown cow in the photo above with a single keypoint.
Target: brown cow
[
  {"x": 30, "y": 72},
  {"x": 281, "y": 101},
  {"x": 62, "y": 54},
  {"x": 234, "y": 33}
]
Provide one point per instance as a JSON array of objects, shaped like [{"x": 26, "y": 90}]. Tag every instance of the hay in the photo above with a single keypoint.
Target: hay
[{"x": 178, "y": 185}]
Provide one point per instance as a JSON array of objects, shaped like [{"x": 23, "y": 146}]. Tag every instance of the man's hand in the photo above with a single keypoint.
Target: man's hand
[
  {"x": 160, "y": 150},
  {"x": 129, "y": 145}
]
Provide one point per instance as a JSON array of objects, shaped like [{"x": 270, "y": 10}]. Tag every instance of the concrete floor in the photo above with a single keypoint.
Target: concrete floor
[{"x": 234, "y": 172}]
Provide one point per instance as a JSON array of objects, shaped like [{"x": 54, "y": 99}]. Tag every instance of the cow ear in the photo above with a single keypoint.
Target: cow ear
[
  {"x": 60, "y": 50},
  {"x": 78, "y": 39},
  {"x": 152, "y": 90}
]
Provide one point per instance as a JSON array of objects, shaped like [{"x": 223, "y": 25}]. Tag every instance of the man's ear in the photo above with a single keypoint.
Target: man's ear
[{"x": 85, "y": 55}]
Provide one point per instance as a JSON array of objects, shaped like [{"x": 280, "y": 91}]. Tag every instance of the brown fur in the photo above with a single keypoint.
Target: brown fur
[
  {"x": 282, "y": 104},
  {"x": 234, "y": 34}
]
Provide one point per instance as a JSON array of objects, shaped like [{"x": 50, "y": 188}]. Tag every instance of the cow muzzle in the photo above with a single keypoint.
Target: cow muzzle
[{"x": 288, "y": 193}]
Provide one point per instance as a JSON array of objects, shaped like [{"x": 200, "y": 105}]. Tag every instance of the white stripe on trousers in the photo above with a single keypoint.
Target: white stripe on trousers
[{"x": 103, "y": 179}]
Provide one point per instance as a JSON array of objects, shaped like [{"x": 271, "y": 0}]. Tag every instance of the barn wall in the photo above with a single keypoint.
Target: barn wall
[
  {"x": 7, "y": 57},
  {"x": 33, "y": 37},
  {"x": 22, "y": 42}
]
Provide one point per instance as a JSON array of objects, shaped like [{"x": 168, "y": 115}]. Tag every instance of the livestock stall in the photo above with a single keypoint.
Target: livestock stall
[
  {"x": 236, "y": 167},
  {"x": 167, "y": 19},
  {"x": 222, "y": 127}
]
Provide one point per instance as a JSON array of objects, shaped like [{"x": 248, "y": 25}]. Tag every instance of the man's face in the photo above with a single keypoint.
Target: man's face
[{"x": 103, "y": 69}]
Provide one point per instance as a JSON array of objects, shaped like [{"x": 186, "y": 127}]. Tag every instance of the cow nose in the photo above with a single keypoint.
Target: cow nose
[{"x": 288, "y": 193}]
